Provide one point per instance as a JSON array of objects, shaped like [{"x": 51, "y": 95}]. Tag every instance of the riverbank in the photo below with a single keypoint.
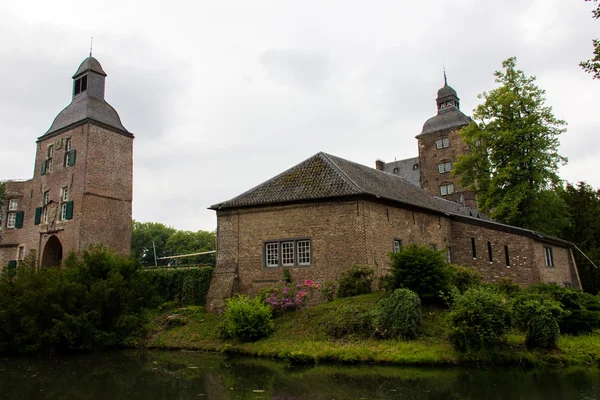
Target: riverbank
[{"x": 304, "y": 336}]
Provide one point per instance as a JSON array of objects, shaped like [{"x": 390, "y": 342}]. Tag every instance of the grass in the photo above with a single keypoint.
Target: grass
[{"x": 302, "y": 337}]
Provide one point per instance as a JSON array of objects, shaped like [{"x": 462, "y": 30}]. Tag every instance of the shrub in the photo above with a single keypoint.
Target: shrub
[
  {"x": 287, "y": 276},
  {"x": 329, "y": 290},
  {"x": 348, "y": 319},
  {"x": 542, "y": 318},
  {"x": 507, "y": 286},
  {"x": 423, "y": 270},
  {"x": 356, "y": 281},
  {"x": 96, "y": 300},
  {"x": 479, "y": 319},
  {"x": 188, "y": 286},
  {"x": 398, "y": 315},
  {"x": 246, "y": 319},
  {"x": 285, "y": 297},
  {"x": 580, "y": 318},
  {"x": 464, "y": 278}
]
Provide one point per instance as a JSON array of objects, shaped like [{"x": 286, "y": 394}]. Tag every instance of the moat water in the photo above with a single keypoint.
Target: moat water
[{"x": 181, "y": 375}]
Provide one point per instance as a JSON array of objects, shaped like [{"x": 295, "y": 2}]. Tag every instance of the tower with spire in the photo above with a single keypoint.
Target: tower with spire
[
  {"x": 439, "y": 145},
  {"x": 81, "y": 191}
]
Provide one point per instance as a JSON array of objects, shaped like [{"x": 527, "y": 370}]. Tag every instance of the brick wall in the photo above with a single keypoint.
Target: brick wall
[{"x": 562, "y": 272}]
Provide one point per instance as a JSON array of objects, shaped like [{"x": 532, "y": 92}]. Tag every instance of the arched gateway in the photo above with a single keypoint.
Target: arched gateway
[{"x": 52, "y": 255}]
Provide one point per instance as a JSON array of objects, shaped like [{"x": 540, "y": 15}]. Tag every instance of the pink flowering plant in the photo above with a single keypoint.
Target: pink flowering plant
[{"x": 287, "y": 296}]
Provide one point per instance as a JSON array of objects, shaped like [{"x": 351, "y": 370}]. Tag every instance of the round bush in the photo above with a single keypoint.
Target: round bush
[
  {"x": 349, "y": 319},
  {"x": 356, "y": 281},
  {"x": 246, "y": 319},
  {"x": 464, "y": 278},
  {"x": 479, "y": 319},
  {"x": 422, "y": 270},
  {"x": 542, "y": 323},
  {"x": 398, "y": 315}
]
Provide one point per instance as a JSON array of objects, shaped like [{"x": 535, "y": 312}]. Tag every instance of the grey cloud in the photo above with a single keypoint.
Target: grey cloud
[{"x": 304, "y": 68}]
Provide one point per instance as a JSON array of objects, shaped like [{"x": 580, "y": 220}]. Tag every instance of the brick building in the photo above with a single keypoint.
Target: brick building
[
  {"x": 439, "y": 146},
  {"x": 81, "y": 190},
  {"x": 326, "y": 214}
]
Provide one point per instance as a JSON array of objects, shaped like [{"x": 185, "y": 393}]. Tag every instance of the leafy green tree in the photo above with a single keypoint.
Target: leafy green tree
[
  {"x": 513, "y": 161},
  {"x": 143, "y": 234},
  {"x": 583, "y": 204},
  {"x": 187, "y": 242},
  {"x": 593, "y": 65}
]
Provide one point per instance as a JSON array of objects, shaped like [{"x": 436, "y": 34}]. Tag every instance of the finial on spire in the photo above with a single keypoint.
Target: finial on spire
[
  {"x": 445, "y": 79},
  {"x": 91, "y": 44}
]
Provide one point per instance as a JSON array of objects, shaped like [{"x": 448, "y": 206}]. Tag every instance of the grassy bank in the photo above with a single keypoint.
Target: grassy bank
[{"x": 302, "y": 337}]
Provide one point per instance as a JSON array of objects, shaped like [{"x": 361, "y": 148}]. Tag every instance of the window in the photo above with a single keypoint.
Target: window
[
  {"x": 45, "y": 214},
  {"x": 396, "y": 170},
  {"x": 450, "y": 254},
  {"x": 63, "y": 211},
  {"x": 80, "y": 85},
  {"x": 490, "y": 252},
  {"x": 568, "y": 285},
  {"x": 13, "y": 204},
  {"x": 447, "y": 188},
  {"x": 397, "y": 244},
  {"x": 473, "y": 248},
  {"x": 46, "y": 197},
  {"x": 287, "y": 253},
  {"x": 20, "y": 252},
  {"x": 442, "y": 143},
  {"x": 11, "y": 219},
  {"x": 507, "y": 256},
  {"x": 50, "y": 151},
  {"x": 549, "y": 258},
  {"x": 68, "y": 145},
  {"x": 444, "y": 167},
  {"x": 65, "y": 194},
  {"x": 70, "y": 154}
]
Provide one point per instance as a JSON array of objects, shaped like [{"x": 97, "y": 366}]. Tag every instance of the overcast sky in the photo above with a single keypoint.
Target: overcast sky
[{"x": 223, "y": 95}]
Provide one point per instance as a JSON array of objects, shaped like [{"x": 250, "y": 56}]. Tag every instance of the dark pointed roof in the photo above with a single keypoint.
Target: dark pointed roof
[
  {"x": 89, "y": 64},
  {"x": 89, "y": 104},
  {"x": 324, "y": 176},
  {"x": 448, "y": 117}
]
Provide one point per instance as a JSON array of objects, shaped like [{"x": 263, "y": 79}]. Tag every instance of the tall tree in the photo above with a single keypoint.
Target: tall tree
[
  {"x": 513, "y": 161},
  {"x": 593, "y": 65},
  {"x": 583, "y": 202},
  {"x": 142, "y": 238}
]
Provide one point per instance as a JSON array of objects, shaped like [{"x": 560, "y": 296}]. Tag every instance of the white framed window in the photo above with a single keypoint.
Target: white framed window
[
  {"x": 548, "y": 256},
  {"x": 11, "y": 219},
  {"x": 20, "y": 253},
  {"x": 46, "y": 197},
  {"x": 50, "y": 151},
  {"x": 444, "y": 167},
  {"x": 287, "y": 254},
  {"x": 303, "y": 252},
  {"x": 13, "y": 204},
  {"x": 442, "y": 143},
  {"x": 272, "y": 254},
  {"x": 446, "y": 189},
  {"x": 68, "y": 145},
  {"x": 45, "y": 214},
  {"x": 65, "y": 194},
  {"x": 396, "y": 245},
  {"x": 63, "y": 211},
  {"x": 450, "y": 254}
]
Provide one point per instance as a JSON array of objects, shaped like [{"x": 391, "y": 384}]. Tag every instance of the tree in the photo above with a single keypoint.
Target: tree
[
  {"x": 593, "y": 65},
  {"x": 583, "y": 203},
  {"x": 512, "y": 163},
  {"x": 1, "y": 200}
]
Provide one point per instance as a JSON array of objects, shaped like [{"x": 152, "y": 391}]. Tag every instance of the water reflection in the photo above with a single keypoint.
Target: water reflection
[{"x": 176, "y": 375}]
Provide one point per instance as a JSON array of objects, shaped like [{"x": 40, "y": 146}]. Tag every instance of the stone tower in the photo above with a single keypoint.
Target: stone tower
[
  {"x": 439, "y": 147},
  {"x": 81, "y": 191}
]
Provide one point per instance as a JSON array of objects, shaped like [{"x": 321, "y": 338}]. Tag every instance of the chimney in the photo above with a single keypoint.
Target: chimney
[{"x": 379, "y": 164}]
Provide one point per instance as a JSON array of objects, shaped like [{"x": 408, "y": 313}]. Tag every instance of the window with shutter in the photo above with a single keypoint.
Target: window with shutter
[
  {"x": 69, "y": 211},
  {"x": 19, "y": 219},
  {"x": 70, "y": 158},
  {"x": 38, "y": 216},
  {"x": 44, "y": 165}
]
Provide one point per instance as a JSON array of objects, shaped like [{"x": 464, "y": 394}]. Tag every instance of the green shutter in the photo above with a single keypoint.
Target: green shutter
[
  {"x": 71, "y": 158},
  {"x": 44, "y": 166},
  {"x": 69, "y": 210},
  {"x": 12, "y": 264},
  {"x": 38, "y": 216},
  {"x": 19, "y": 221}
]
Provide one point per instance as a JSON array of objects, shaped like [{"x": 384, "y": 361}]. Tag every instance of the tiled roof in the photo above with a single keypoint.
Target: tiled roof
[
  {"x": 89, "y": 64},
  {"x": 446, "y": 119},
  {"x": 324, "y": 176}
]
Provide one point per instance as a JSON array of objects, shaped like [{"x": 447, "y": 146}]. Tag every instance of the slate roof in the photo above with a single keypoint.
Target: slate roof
[
  {"x": 447, "y": 118},
  {"x": 89, "y": 64},
  {"x": 324, "y": 176},
  {"x": 408, "y": 169},
  {"x": 446, "y": 91}
]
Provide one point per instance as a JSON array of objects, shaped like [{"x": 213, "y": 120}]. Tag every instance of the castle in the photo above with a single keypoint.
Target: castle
[{"x": 81, "y": 190}]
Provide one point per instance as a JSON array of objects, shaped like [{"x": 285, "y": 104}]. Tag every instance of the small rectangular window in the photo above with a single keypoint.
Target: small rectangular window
[
  {"x": 45, "y": 214},
  {"x": 446, "y": 189},
  {"x": 49, "y": 165},
  {"x": 549, "y": 258},
  {"x": 46, "y": 197},
  {"x": 490, "y": 252},
  {"x": 397, "y": 245},
  {"x": 507, "y": 256},
  {"x": 50, "y": 151},
  {"x": 272, "y": 254},
  {"x": 84, "y": 83},
  {"x": 20, "y": 252},
  {"x": 77, "y": 86},
  {"x": 442, "y": 143},
  {"x": 473, "y": 248},
  {"x": 450, "y": 254},
  {"x": 444, "y": 167},
  {"x": 304, "y": 252},
  {"x": 568, "y": 284},
  {"x": 13, "y": 204},
  {"x": 68, "y": 145},
  {"x": 11, "y": 219},
  {"x": 65, "y": 194},
  {"x": 287, "y": 254}
]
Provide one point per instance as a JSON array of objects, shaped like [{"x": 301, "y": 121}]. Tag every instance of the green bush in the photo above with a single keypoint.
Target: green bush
[
  {"x": 398, "y": 315},
  {"x": 95, "y": 300},
  {"x": 329, "y": 290},
  {"x": 348, "y": 319},
  {"x": 356, "y": 281},
  {"x": 423, "y": 270},
  {"x": 479, "y": 319},
  {"x": 186, "y": 285},
  {"x": 507, "y": 287},
  {"x": 542, "y": 318},
  {"x": 581, "y": 317},
  {"x": 246, "y": 319},
  {"x": 464, "y": 278}
]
